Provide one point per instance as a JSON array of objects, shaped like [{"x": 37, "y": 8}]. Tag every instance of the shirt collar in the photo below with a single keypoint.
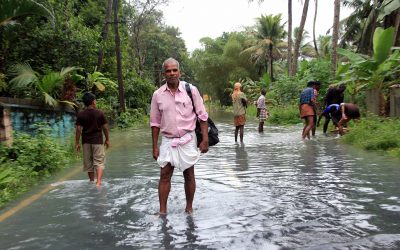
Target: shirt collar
[{"x": 181, "y": 86}]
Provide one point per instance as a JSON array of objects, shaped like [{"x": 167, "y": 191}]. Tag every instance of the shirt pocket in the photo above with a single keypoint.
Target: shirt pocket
[{"x": 185, "y": 106}]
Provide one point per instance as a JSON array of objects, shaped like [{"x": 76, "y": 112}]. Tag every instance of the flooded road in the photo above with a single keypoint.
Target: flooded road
[{"x": 272, "y": 192}]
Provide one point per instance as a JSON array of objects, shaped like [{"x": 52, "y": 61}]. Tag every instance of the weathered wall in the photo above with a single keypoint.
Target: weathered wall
[
  {"x": 395, "y": 100},
  {"x": 25, "y": 115}
]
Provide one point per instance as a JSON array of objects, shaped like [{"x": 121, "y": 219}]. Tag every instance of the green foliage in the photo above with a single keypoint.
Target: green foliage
[
  {"x": 383, "y": 139},
  {"x": 11, "y": 9},
  {"x": 221, "y": 62},
  {"x": 138, "y": 93},
  {"x": 49, "y": 85},
  {"x": 3, "y": 84},
  {"x": 285, "y": 90},
  {"x": 379, "y": 71},
  {"x": 315, "y": 70},
  {"x": 284, "y": 115},
  {"x": 29, "y": 159},
  {"x": 131, "y": 118}
]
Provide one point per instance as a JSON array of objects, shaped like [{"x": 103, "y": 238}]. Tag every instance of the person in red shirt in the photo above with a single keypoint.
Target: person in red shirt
[{"x": 91, "y": 124}]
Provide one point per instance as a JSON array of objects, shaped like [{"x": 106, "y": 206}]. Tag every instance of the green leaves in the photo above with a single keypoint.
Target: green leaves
[
  {"x": 10, "y": 9},
  {"x": 382, "y": 41},
  {"x": 48, "y": 85}
]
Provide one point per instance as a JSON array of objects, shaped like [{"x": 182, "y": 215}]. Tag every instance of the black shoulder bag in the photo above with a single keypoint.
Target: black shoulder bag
[{"x": 212, "y": 129}]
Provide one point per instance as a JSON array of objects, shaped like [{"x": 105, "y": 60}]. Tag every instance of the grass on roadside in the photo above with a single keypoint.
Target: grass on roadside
[{"x": 376, "y": 133}]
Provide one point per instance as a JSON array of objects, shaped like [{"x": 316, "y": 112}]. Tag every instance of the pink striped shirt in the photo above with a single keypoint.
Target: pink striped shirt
[{"x": 173, "y": 114}]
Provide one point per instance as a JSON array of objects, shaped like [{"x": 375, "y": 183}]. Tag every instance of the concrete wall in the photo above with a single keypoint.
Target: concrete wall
[
  {"x": 25, "y": 115},
  {"x": 395, "y": 100},
  {"x": 372, "y": 101}
]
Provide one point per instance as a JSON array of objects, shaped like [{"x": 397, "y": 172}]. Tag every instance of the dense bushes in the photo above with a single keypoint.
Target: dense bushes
[{"x": 28, "y": 160}]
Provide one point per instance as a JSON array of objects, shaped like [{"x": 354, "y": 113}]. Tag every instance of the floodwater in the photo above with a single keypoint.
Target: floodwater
[{"x": 273, "y": 192}]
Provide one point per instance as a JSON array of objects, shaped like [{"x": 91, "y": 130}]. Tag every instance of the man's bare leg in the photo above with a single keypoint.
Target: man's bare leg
[
  {"x": 309, "y": 125},
  {"x": 241, "y": 133},
  {"x": 236, "y": 133},
  {"x": 164, "y": 186},
  {"x": 100, "y": 172},
  {"x": 91, "y": 176},
  {"x": 190, "y": 188}
]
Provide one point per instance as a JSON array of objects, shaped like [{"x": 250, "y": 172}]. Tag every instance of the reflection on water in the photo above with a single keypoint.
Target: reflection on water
[{"x": 272, "y": 192}]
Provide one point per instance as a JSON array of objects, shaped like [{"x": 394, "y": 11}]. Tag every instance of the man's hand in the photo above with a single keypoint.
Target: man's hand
[
  {"x": 203, "y": 146},
  {"x": 156, "y": 153},
  {"x": 107, "y": 144},
  {"x": 78, "y": 147}
]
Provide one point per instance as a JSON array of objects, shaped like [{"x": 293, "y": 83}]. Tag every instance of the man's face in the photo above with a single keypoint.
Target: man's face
[{"x": 171, "y": 73}]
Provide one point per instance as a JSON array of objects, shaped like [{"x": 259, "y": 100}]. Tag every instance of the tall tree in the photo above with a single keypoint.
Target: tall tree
[
  {"x": 315, "y": 20},
  {"x": 270, "y": 32},
  {"x": 335, "y": 36},
  {"x": 299, "y": 38},
  {"x": 146, "y": 14},
  {"x": 290, "y": 43},
  {"x": 104, "y": 33},
  {"x": 121, "y": 97}
]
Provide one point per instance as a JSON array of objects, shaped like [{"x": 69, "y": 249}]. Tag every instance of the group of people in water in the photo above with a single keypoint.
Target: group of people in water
[
  {"x": 334, "y": 109},
  {"x": 173, "y": 115}
]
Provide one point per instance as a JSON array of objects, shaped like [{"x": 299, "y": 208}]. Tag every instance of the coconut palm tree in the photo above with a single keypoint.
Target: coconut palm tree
[
  {"x": 359, "y": 27},
  {"x": 268, "y": 37},
  {"x": 314, "y": 23},
  {"x": 306, "y": 50},
  {"x": 335, "y": 36},
  {"x": 300, "y": 33},
  {"x": 12, "y": 9}
]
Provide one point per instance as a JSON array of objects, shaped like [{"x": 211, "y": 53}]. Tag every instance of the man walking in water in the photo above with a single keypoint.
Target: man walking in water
[
  {"x": 91, "y": 124},
  {"x": 307, "y": 108},
  {"x": 172, "y": 114}
]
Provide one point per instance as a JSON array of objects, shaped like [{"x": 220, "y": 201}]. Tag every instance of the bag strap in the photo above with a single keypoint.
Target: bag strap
[{"x": 189, "y": 92}]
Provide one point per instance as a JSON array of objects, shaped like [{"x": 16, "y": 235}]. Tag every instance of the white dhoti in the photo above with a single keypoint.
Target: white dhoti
[{"x": 182, "y": 152}]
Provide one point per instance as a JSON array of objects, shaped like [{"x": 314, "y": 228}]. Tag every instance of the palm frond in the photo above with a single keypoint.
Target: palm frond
[
  {"x": 50, "y": 82},
  {"x": 24, "y": 76},
  {"x": 11, "y": 9},
  {"x": 65, "y": 71},
  {"x": 50, "y": 100}
]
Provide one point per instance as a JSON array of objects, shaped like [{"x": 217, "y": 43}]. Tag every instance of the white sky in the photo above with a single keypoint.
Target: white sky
[{"x": 210, "y": 18}]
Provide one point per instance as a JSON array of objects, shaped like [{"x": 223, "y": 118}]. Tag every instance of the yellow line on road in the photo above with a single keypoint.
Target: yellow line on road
[{"x": 26, "y": 202}]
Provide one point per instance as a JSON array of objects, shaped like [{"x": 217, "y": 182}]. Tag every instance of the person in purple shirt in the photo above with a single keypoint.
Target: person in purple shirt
[{"x": 172, "y": 115}]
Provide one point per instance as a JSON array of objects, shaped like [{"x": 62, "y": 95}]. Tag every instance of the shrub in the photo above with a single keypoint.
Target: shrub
[{"x": 29, "y": 159}]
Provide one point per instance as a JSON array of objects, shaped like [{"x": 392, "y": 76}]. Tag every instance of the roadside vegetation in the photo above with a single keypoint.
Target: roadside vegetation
[{"x": 29, "y": 160}]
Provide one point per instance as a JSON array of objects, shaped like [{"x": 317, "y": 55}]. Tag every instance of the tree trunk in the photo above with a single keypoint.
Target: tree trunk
[
  {"x": 299, "y": 36},
  {"x": 335, "y": 36},
  {"x": 271, "y": 61},
  {"x": 289, "y": 57},
  {"x": 104, "y": 33},
  {"x": 365, "y": 45},
  {"x": 315, "y": 20},
  {"x": 121, "y": 97}
]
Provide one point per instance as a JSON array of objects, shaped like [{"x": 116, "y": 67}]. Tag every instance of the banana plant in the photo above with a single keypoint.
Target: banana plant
[
  {"x": 47, "y": 85},
  {"x": 376, "y": 71},
  {"x": 97, "y": 81}
]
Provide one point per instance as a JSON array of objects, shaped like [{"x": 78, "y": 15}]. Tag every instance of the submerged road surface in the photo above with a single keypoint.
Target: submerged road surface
[{"x": 272, "y": 192}]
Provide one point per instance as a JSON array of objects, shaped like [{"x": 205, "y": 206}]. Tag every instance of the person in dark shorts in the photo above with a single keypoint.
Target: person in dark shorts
[
  {"x": 91, "y": 124},
  {"x": 331, "y": 112}
]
